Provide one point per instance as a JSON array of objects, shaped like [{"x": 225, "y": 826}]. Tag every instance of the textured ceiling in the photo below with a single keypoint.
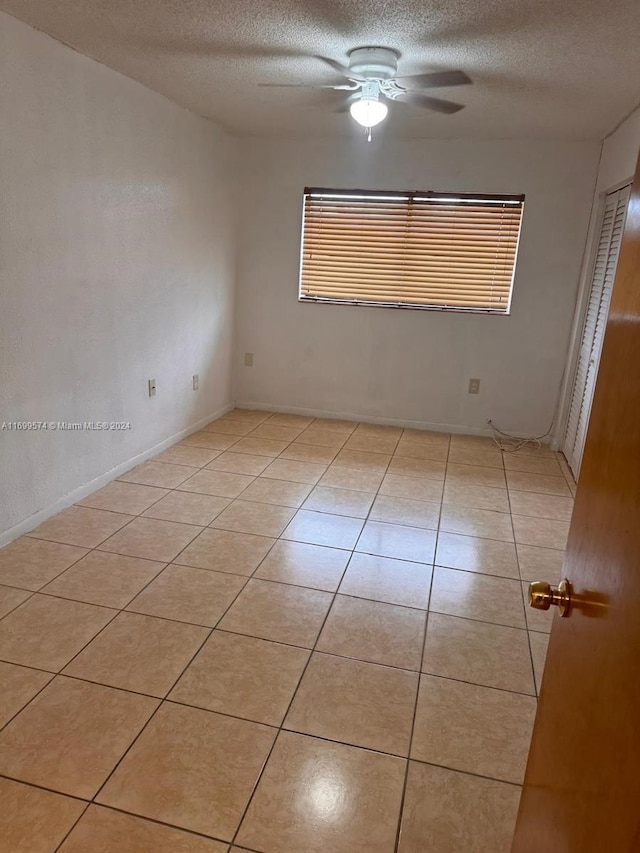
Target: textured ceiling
[{"x": 541, "y": 68}]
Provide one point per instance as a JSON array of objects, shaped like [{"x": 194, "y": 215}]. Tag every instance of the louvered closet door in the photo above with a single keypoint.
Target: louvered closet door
[{"x": 595, "y": 321}]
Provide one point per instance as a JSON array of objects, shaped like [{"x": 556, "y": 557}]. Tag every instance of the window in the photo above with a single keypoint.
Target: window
[{"x": 430, "y": 250}]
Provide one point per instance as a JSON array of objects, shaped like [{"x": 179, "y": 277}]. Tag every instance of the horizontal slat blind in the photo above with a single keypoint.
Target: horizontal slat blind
[{"x": 417, "y": 250}]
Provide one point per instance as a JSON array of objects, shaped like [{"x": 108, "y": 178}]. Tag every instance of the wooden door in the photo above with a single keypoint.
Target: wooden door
[{"x": 582, "y": 786}]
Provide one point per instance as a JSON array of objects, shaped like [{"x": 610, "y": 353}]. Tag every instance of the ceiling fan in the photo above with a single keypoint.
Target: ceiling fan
[{"x": 372, "y": 77}]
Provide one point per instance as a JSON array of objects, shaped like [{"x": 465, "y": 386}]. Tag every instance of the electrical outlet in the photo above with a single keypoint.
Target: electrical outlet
[
  {"x": 196, "y": 381},
  {"x": 152, "y": 387},
  {"x": 248, "y": 359},
  {"x": 474, "y": 386}
]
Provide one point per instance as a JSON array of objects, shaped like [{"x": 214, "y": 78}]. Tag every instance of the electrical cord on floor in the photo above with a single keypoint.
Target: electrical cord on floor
[{"x": 511, "y": 443}]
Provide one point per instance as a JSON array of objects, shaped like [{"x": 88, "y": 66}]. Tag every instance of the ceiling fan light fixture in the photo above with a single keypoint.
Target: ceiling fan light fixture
[{"x": 368, "y": 112}]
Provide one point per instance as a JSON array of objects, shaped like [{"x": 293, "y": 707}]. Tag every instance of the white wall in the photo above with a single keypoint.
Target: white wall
[
  {"x": 401, "y": 364},
  {"x": 620, "y": 153},
  {"x": 117, "y": 264}
]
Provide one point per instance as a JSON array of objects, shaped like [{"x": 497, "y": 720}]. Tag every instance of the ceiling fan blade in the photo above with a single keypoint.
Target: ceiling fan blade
[
  {"x": 339, "y": 67},
  {"x": 435, "y": 79},
  {"x": 436, "y": 104},
  {"x": 300, "y": 86}
]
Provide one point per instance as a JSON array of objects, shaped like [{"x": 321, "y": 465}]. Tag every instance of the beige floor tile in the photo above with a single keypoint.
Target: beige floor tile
[
  {"x": 418, "y": 488},
  {"x": 321, "y": 528},
  {"x": 260, "y": 446},
  {"x": 309, "y": 453},
  {"x": 374, "y": 632},
  {"x": 46, "y": 632},
  {"x": 474, "y": 729},
  {"x": 31, "y": 563},
  {"x": 316, "y": 796},
  {"x": 280, "y": 492},
  {"x": 532, "y": 464},
  {"x": 540, "y": 564},
  {"x": 539, "y": 645},
  {"x": 363, "y": 461},
  {"x": 277, "y": 433},
  {"x": 231, "y": 426},
  {"x": 278, "y": 612},
  {"x": 353, "y": 702},
  {"x": 222, "y": 484},
  {"x": 484, "y": 443},
  {"x": 391, "y": 581},
  {"x": 406, "y": 511},
  {"x": 80, "y": 526},
  {"x": 289, "y": 420},
  {"x": 107, "y": 831},
  {"x": 110, "y": 580},
  {"x": 487, "y": 556},
  {"x": 219, "y": 441},
  {"x": 371, "y": 443},
  {"x": 336, "y": 424},
  {"x": 450, "y": 812},
  {"x": 239, "y": 463},
  {"x": 253, "y": 416},
  {"x": 186, "y": 594},
  {"x": 33, "y": 820},
  {"x": 541, "y": 506},
  {"x": 11, "y": 598},
  {"x": 540, "y": 483},
  {"x": 475, "y": 475},
  {"x": 483, "y": 523},
  {"x": 70, "y": 737},
  {"x": 476, "y": 596},
  {"x": 477, "y": 497},
  {"x": 19, "y": 686},
  {"x": 422, "y": 450},
  {"x": 398, "y": 542},
  {"x": 186, "y": 454},
  {"x": 151, "y": 539},
  {"x": 544, "y": 532},
  {"x": 379, "y": 431},
  {"x": 352, "y": 479},
  {"x": 130, "y": 498},
  {"x": 210, "y": 439},
  {"x": 319, "y": 437},
  {"x": 243, "y": 676},
  {"x": 188, "y": 508},
  {"x": 225, "y": 551},
  {"x": 259, "y": 518},
  {"x": 471, "y": 456},
  {"x": 537, "y": 620},
  {"x": 138, "y": 653},
  {"x": 161, "y": 474},
  {"x": 340, "y": 501},
  {"x": 192, "y": 769},
  {"x": 295, "y": 472},
  {"x": 478, "y": 652},
  {"x": 426, "y": 436},
  {"x": 406, "y": 466},
  {"x": 312, "y": 566}
]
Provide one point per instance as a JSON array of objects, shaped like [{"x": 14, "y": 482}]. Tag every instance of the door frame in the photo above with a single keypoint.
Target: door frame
[{"x": 580, "y": 312}]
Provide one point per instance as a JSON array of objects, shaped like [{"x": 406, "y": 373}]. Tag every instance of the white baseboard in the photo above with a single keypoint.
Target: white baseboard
[
  {"x": 32, "y": 521},
  {"x": 366, "y": 419}
]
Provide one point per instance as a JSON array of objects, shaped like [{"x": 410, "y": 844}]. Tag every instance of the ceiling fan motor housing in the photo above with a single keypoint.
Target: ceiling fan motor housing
[{"x": 376, "y": 63}]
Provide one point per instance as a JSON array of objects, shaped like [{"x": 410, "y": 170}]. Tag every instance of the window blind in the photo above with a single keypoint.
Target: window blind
[{"x": 410, "y": 249}]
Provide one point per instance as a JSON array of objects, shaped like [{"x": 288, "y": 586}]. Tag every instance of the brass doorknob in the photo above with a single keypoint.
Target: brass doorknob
[{"x": 542, "y": 595}]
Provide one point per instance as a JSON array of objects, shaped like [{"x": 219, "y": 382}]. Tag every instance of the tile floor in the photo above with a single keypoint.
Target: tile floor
[{"x": 281, "y": 635}]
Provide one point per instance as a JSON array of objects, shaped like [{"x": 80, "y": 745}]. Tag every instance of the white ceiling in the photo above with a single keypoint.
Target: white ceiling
[{"x": 541, "y": 68}]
